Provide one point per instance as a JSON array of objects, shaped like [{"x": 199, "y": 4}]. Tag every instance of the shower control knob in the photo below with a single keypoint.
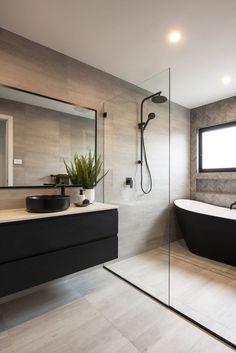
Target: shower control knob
[{"x": 129, "y": 182}]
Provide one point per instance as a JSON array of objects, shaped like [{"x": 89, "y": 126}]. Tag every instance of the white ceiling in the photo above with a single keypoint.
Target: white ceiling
[{"x": 128, "y": 38}]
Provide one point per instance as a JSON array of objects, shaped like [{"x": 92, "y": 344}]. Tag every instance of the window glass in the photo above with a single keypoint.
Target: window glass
[{"x": 217, "y": 148}]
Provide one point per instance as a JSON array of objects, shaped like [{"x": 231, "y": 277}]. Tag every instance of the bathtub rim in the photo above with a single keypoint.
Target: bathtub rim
[{"x": 206, "y": 209}]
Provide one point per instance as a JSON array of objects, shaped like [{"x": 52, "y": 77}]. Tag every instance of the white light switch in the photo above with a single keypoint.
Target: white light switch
[{"x": 17, "y": 161}]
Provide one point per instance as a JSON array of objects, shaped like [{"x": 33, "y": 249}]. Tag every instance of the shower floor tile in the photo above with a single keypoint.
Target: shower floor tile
[{"x": 203, "y": 289}]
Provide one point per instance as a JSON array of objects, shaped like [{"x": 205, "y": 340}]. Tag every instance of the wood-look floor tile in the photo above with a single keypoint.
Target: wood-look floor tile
[
  {"x": 51, "y": 327},
  {"x": 112, "y": 318},
  {"x": 176, "y": 336},
  {"x": 37, "y": 303},
  {"x": 202, "y": 289},
  {"x": 90, "y": 281},
  {"x": 73, "y": 328},
  {"x": 141, "y": 270},
  {"x": 138, "y": 319},
  {"x": 5, "y": 343},
  {"x": 209, "y": 344},
  {"x": 114, "y": 303}
]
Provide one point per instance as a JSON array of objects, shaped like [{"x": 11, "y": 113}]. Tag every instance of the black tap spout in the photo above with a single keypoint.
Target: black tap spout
[
  {"x": 63, "y": 188},
  {"x": 232, "y": 205}
]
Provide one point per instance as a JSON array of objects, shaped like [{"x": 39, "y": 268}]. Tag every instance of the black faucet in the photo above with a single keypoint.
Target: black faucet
[
  {"x": 62, "y": 186},
  {"x": 232, "y": 205}
]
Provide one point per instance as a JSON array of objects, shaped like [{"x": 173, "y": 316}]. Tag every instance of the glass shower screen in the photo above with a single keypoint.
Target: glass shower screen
[{"x": 136, "y": 153}]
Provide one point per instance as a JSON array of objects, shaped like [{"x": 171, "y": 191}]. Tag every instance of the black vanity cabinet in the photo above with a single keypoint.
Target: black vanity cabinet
[{"x": 39, "y": 250}]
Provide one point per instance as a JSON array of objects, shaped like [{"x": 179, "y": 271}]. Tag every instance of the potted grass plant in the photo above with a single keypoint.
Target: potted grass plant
[{"x": 86, "y": 170}]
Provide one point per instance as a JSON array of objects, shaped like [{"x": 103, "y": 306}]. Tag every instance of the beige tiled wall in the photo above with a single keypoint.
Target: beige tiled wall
[
  {"x": 32, "y": 67},
  {"x": 144, "y": 218}
]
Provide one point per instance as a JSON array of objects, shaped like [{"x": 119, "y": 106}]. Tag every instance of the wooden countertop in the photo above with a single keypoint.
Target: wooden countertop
[{"x": 20, "y": 214}]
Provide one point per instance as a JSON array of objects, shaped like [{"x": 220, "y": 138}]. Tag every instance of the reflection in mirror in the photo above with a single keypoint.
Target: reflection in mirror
[
  {"x": 6, "y": 150},
  {"x": 37, "y": 134}
]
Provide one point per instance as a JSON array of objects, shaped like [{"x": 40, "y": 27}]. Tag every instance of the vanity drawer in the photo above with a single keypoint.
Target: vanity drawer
[
  {"x": 35, "y": 270},
  {"x": 28, "y": 238}
]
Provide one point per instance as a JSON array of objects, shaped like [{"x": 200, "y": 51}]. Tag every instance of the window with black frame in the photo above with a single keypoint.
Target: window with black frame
[{"x": 217, "y": 148}]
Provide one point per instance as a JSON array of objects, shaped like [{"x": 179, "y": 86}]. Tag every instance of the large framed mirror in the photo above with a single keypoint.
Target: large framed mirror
[{"x": 38, "y": 134}]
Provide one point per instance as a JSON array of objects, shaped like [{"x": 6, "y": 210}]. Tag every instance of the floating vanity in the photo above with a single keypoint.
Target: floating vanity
[{"x": 39, "y": 247}]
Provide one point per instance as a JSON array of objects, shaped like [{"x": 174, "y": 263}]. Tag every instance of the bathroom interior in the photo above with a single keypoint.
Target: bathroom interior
[{"x": 164, "y": 211}]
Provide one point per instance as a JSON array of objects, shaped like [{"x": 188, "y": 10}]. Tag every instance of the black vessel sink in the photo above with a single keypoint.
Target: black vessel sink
[{"x": 47, "y": 203}]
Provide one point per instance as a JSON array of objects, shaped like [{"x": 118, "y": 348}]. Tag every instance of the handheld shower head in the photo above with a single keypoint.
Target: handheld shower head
[
  {"x": 159, "y": 98},
  {"x": 150, "y": 117}
]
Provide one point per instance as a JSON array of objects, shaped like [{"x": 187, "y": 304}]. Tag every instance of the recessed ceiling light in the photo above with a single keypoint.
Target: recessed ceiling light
[
  {"x": 226, "y": 79},
  {"x": 174, "y": 36}
]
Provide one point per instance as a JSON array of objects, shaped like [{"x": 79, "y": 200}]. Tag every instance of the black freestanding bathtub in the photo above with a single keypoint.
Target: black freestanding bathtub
[{"x": 208, "y": 230}]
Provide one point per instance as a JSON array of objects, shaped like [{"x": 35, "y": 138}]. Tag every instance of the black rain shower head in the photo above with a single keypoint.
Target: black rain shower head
[{"x": 159, "y": 98}]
